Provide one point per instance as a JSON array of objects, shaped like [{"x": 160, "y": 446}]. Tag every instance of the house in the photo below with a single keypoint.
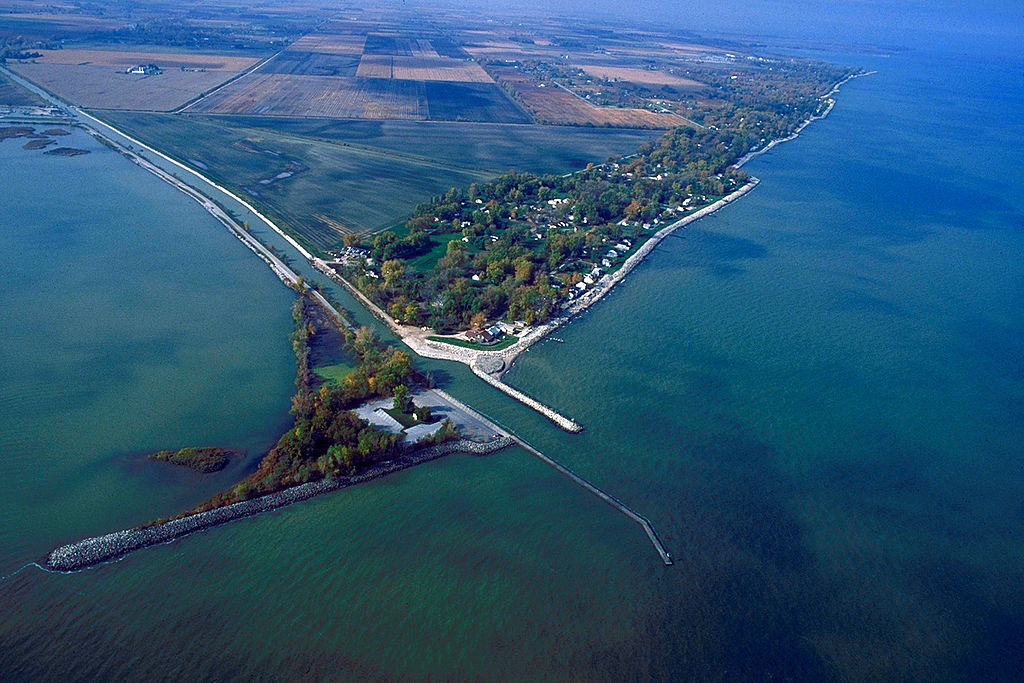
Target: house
[
  {"x": 495, "y": 332},
  {"x": 477, "y": 336},
  {"x": 143, "y": 70}
]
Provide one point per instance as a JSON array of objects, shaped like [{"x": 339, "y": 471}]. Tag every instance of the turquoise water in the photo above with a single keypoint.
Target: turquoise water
[
  {"x": 132, "y": 322},
  {"x": 815, "y": 395}
]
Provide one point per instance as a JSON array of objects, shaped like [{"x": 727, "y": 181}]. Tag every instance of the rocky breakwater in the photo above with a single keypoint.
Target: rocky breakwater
[{"x": 99, "y": 549}]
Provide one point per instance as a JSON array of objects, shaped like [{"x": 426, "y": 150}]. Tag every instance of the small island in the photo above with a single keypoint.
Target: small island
[{"x": 205, "y": 460}]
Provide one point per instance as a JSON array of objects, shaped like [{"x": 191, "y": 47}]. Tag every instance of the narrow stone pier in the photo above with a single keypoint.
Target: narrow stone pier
[{"x": 644, "y": 523}]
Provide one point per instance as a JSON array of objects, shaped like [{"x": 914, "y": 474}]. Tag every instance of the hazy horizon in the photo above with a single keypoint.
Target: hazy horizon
[{"x": 864, "y": 21}]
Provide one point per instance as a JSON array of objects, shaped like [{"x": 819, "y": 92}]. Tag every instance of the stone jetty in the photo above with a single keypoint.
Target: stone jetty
[{"x": 99, "y": 549}]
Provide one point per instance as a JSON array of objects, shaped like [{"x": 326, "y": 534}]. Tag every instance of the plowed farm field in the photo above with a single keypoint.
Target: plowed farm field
[{"x": 317, "y": 96}]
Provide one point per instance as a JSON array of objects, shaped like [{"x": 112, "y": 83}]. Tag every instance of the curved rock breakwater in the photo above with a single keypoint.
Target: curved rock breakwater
[{"x": 98, "y": 549}]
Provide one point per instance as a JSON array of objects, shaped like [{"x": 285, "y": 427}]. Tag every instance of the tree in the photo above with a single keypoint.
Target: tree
[
  {"x": 403, "y": 398},
  {"x": 350, "y": 240},
  {"x": 383, "y": 245},
  {"x": 392, "y": 270}
]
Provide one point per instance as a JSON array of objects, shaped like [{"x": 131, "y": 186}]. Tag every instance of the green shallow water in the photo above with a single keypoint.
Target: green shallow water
[{"x": 815, "y": 395}]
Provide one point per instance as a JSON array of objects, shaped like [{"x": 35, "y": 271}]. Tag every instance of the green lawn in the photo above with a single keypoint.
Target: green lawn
[
  {"x": 505, "y": 342},
  {"x": 335, "y": 373}
]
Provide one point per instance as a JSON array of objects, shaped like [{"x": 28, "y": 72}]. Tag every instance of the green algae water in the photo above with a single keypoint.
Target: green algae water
[{"x": 815, "y": 395}]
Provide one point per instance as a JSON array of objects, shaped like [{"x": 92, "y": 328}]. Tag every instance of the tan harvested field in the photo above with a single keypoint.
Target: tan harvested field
[
  {"x": 439, "y": 69},
  {"x": 165, "y": 60},
  {"x": 423, "y": 48},
  {"x": 422, "y": 69},
  {"x": 505, "y": 50},
  {"x": 330, "y": 43},
  {"x": 376, "y": 66},
  {"x": 104, "y": 87},
  {"x": 634, "y": 75},
  {"x": 316, "y": 96},
  {"x": 551, "y": 104}
]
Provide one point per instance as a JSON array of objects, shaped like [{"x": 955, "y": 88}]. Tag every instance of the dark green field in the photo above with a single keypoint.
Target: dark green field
[
  {"x": 494, "y": 147},
  {"x": 471, "y": 102},
  {"x": 361, "y": 176}
]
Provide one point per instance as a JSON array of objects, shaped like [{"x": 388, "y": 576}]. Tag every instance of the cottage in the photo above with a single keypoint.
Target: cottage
[{"x": 477, "y": 336}]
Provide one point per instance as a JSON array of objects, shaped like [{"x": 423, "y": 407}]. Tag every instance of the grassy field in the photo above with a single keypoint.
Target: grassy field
[
  {"x": 335, "y": 373},
  {"x": 362, "y": 176},
  {"x": 14, "y": 95},
  {"x": 359, "y": 188},
  {"x": 492, "y": 147}
]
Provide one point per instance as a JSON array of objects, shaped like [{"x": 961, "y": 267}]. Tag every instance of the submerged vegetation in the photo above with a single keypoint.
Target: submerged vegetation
[{"x": 204, "y": 459}]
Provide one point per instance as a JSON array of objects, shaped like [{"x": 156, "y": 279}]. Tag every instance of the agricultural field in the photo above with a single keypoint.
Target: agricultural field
[
  {"x": 331, "y": 44},
  {"x": 494, "y": 148},
  {"x": 332, "y": 189},
  {"x": 361, "y": 176},
  {"x": 98, "y": 78},
  {"x": 103, "y": 87},
  {"x": 123, "y": 59},
  {"x": 422, "y": 68},
  {"x": 551, "y": 103},
  {"x": 338, "y": 73},
  {"x": 636, "y": 75},
  {"x": 471, "y": 102},
  {"x": 300, "y": 63},
  {"x": 272, "y": 94},
  {"x": 12, "y": 94}
]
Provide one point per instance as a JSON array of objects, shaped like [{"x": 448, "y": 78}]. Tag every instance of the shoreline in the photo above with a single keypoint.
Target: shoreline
[
  {"x": 489, "y": 366},
  {"x": 110, "y": 547},
  {"x": 827, "y": 97},
  {"x": 415, "y": 339}
]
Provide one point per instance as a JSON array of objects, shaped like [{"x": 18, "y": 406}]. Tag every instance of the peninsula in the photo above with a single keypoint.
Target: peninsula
[{"x": 370, "y": 148}]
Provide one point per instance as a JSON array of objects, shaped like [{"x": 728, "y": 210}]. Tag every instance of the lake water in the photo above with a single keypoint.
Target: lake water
[{"x": 815, "y": 395}]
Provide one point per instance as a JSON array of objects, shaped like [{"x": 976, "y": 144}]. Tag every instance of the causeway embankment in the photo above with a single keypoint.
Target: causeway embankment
[{"x": 98, "y": 549}]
